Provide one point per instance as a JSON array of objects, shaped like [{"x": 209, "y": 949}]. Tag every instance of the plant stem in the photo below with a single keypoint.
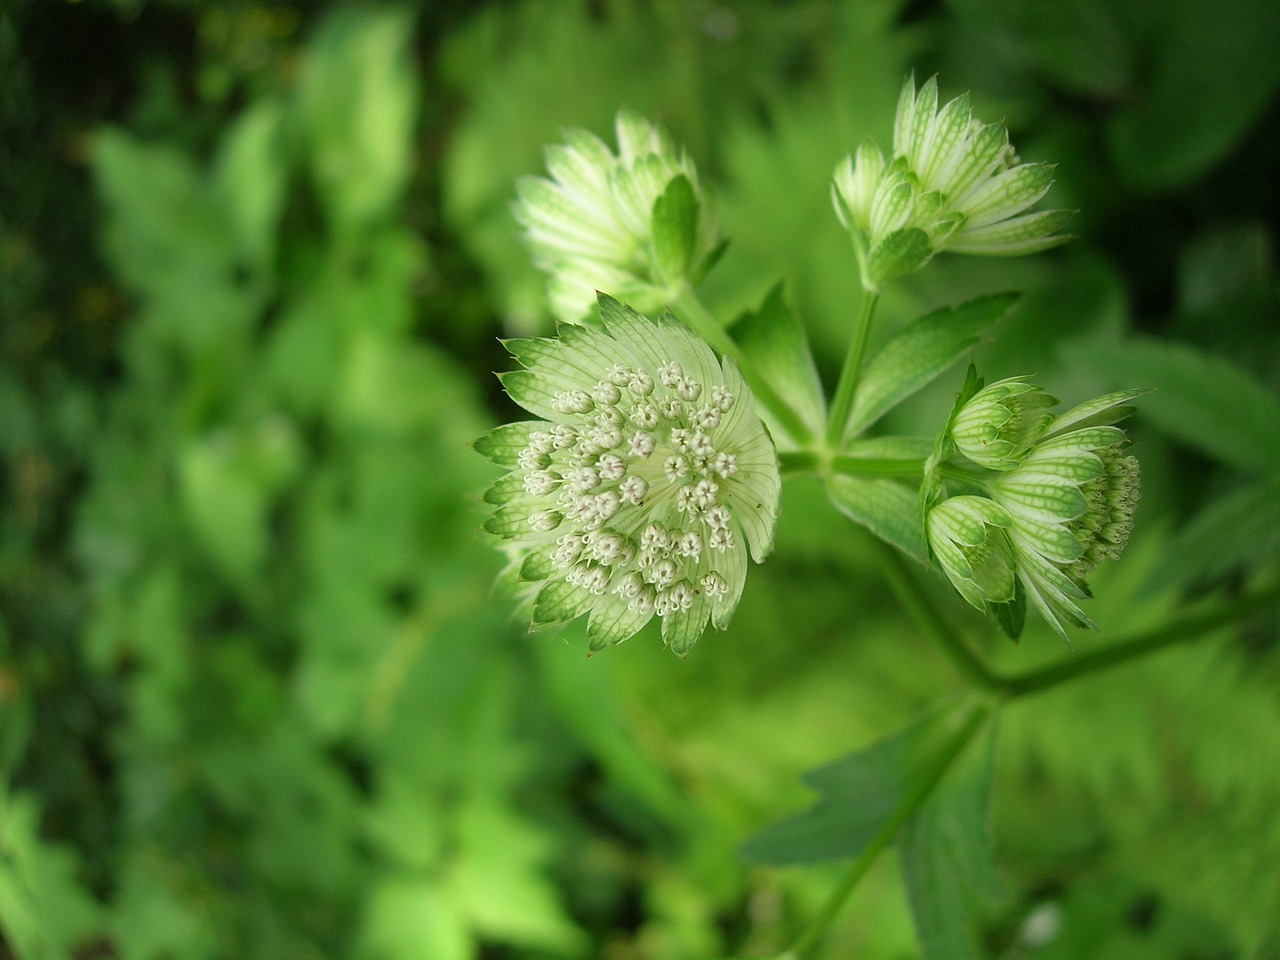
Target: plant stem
[
  {"x": 806, "y": 945},
  {"x": 815, "y": 461},
  {"x": 842, "y": 404},
  {"x": 912, "y": 595},
  {"x": 1187, "y": 628},
  {"x": 699, "y": 318}
]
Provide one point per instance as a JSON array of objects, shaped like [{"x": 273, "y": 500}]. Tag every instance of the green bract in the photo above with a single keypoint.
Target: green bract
[
  {"x": 998, "y": 425},
  {"x": 954, "y": 183},
  {"x": 635, "y": 223},
  {"x": 1071, "y": 501},
  {"x": 643, "y": 487}
]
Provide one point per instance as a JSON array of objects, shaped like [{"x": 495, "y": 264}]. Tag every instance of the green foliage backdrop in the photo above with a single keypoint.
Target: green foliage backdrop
[{"x": 257, "y": 695}]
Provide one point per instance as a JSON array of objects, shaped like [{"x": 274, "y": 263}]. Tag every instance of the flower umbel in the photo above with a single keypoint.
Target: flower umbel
[
  {"x": 1071, "y": 501},
  {"x": 636, "y": 223},
  {"x": 954, "y": 183},
  {"x": 643, "y": 487}
]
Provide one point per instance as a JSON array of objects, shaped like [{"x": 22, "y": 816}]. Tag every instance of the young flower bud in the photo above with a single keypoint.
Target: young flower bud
[
  {"x": 968, "y": 536},
  {"x": 1071, "y": 501},
  {"x": 636, "y": 222},
  {"x": 1001, "y": 422},
  {"x": 953, "y": 183},
  {"x": 660, "y": 523}
]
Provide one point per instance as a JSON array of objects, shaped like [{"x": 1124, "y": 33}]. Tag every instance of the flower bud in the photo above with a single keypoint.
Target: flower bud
[
  {"x": 968, "y": 536},
  {"x": 634, "y": 516},
  {"x": 999, "y": 424},
  {"x": 636, "y": 222}
]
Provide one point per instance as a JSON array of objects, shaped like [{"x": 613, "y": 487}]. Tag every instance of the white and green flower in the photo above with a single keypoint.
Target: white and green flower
[
  {"x": 953, "y": 183},
  {"x": 644, "y": 485},
  {"x": 998, "y": 425},
  {"x": 636, "y": 222},
  {"x": 1071, "y": 501},
  {"x": 967, "y": 536}
]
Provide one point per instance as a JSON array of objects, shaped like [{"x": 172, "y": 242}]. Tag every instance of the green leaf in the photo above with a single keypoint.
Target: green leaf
[
  {"x": 250, "y": 174},
  {"x": 675, "y": 228},
  {"x": 1204, "y": 400},
  {"x": 861, "y": 794},
  {"x": 919, "y": 352},
  {"x": 947, "y": 859},
  {"x": 889, "y": 509},
  {"x": 358, "y": 101},
  {"x": 774, "y": 340},
  {"x": 1238, "y": 530},
  {"x": 857, "y": 795},
  {"x": 1211, "y": 71}
]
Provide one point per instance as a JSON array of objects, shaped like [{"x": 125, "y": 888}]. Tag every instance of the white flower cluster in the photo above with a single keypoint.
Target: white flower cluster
[
  {"x": 642, "y": 491},
  {"x": 953, "y": 183}
]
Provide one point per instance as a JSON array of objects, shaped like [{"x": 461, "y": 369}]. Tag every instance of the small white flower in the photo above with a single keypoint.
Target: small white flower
[
  {"x": 661, "y": 524},
  {"x": 591, "y": 225}
]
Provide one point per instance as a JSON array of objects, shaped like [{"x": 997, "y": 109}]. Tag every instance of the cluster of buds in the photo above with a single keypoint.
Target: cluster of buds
[
  {"x": 953, "y": 183},
  {"x": 636, "y": 223},
  {"x": 644, "y": 486},
  {"x": 1060, "y": 499}
]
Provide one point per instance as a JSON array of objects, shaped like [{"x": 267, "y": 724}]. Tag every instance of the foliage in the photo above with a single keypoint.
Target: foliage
[{"x": 257, "y": 697}]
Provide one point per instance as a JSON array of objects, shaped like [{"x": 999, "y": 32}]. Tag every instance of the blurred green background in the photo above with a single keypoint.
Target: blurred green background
[{"x": 257, "y": 696}]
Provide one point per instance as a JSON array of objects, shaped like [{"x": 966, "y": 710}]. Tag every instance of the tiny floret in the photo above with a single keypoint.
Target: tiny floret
[{"x": 610, "y": 512}]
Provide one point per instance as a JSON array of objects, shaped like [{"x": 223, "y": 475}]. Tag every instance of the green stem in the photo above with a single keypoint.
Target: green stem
[
  {"x": 700, "y": 320},
  {"x": 912, "y": 595},
  {"x": 842, "y": 404},
  {"x": 1187, "y": 628},
  {"x": 816, "y": 461},
  {"x": 806, "y": 945}
]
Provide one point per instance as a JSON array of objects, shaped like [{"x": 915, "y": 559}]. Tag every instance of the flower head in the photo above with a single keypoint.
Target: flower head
[
  {"x": 953, "y": 183},
  {"x": 636, "y": 222},
  {"x": 643, "y": 487},
  {"x": 967, "y": 535},
  {"x": 1071, "y": 502},
  {"x": 997, "y": 426}
]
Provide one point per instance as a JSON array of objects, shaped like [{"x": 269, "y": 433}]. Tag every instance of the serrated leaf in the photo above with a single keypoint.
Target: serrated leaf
[
  {"x": 858, "y": 794},
  {"x": 774, "y": 341},
  {"x": 1204, "y": 400},
  {"x": 861, "y": 794},
  {"x": 675, "y": 228},
  {"x": 921, "y": 351},
  {"x": 1239, "y": 529},
  {"x": 947, "y": 859},
  {"x": 889, "y": 509}
]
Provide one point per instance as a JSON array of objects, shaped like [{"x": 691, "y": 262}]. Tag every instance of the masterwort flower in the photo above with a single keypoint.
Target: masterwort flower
[
  {"x": 953, "y": 183},
  {"x": 968, "y": 537},
  {"x": 636, "y": 223},
  {"x": 1071, "y": 502},
  {"x": 998, "y": 425},
  {"x": 643, "y": 487}
]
